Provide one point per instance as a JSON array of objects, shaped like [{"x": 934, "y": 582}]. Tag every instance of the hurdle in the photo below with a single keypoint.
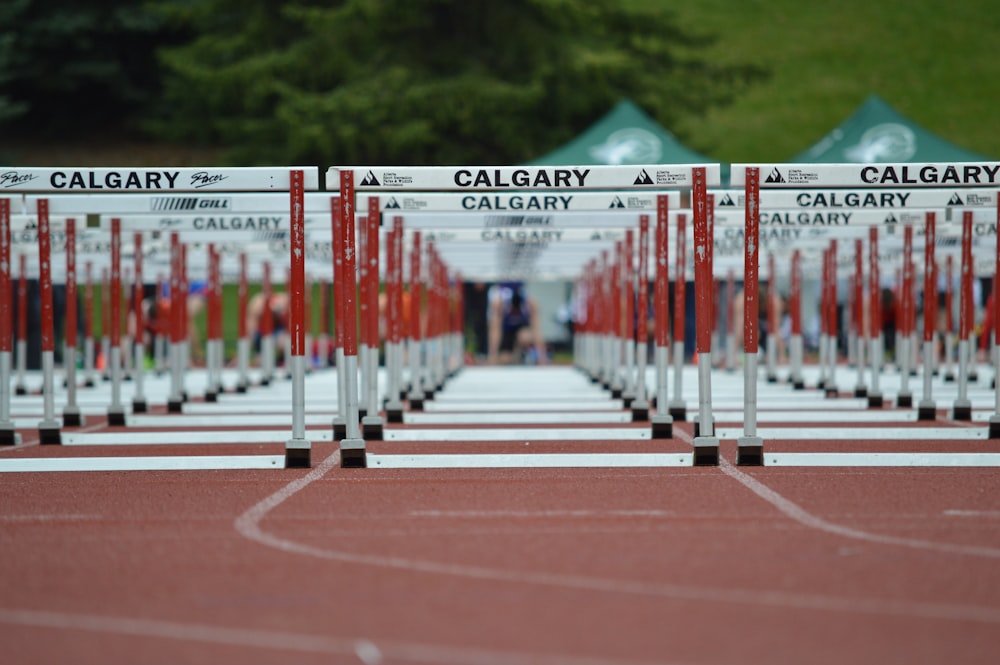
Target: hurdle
[
  {"x": 662, "y": 421},
  {"x": 124, "y": 182}
]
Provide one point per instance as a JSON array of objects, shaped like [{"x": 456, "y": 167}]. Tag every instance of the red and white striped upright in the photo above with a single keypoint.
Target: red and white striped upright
[
  {"x": 49, "y": 428},
  {"x": 904, "y": 335},
  {"x": 371, "y": 424},
  {"x": 8, "y": 436},
  {"x": 949, "y": 320},
  {"x": 706, "y": 444},
  {"x": 415, "y": 346},
  {"x": 962, "y": 407},
  {"x": 628, "y": 323},
  {"x": 88, "y": 325},
  {"x": 994, "y": 427},
  {"x": 927, "y": 408},
  {"x": 662, "y": 421},
  {"x": 21, "y": 388},
  {"x": 393, "y": 346},
  {"x": 298, "y": 448},
  {"x": 832, "y": 326},
  {"x": 640, "y": 404},
  {"x": 71, "y": 411},
  {"x": 352, "y": 447},
  {"x": 678, "y": 407},
  {"x": 337, "y": 231},
  {"x": 795, "y": 311},
  {"x": 858, "y": 317},
  {"x": 139, "y": 398},
  {"x": 176, "y": 398},
  {"x": 875, "y": 316},
  {"x": 116, "y": 411},
  {"x": 266, "y": 329},
  {"x": 750, "y": 446},
  {"x": 243, "y": 339},
  {"x": 773, "y": 319}
]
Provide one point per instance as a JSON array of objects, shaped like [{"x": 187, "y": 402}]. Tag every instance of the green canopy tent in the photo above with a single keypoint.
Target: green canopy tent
[
  {"x": 876, "y": 132},
  {"x": 626, "y": 135}
]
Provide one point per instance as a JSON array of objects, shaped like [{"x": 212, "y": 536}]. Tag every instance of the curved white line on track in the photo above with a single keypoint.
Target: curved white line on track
[
  {"x": 805, "y": 518},
  {"x": 365, "y": 650},
  {"x": 248, "y": 525}
]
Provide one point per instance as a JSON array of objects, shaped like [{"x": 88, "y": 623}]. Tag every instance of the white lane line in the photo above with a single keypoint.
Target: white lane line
[
  {"x": 189, "y": 437},
  {"x": 55, "y": 517},
  {"x": 536, "y": 514},
  {"x": 366, "y": 650},
  {"x": 800, "y": 515},
  {"x": 168, "y": 463},
  {"x": 248, "y": 525},
  {"x": 884, "y": 459},
  {"x": 972, "y": 513},
  {"x": 521, "y": 434},
  {"x": 860, "y": 433},
  {"x": 254, "y": 419},
  {"x": 527, "y": 461},
  {"x": 531, "y": 418},
  {"x": 540, "y": 404}
]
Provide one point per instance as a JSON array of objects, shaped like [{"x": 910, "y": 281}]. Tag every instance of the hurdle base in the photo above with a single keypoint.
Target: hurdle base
[
  {"x": 904, "y": 401},
  {"x": 962, "y": 410},
  {"x": 211, "y": 396},
  {"x": 298, "y": 454},
  {"x": 927, "y": 410},
  {"x": 175, "y": 405},
  {"x": 116, "y": 417},
  {"x": 821, "y": 384},
  {"x": 89, "y": 383},
  {"x": 352, "y": 454},
  {"x": 678, "y": 411},
  {"x": 73, "y": 418},
  {"x": 339, "y": 429},
  {"x": 640, "y": 410},
  {"x": 973, "y": 377},
  {"x": 616, "y": 393},
  {"x": 416, "y": 403},
  {"x": 20, "y": 390},
  {"x": 49, "y": 433},
  {"x": 994, "y": 427},
  {"x": 831, "y": 393},
  {"x": 875, "y": 401},
  {"x": 772, "y": 378},
  {"x": 139, "y": 406},
  {"x": 663, "y": 427},
  {"x": 241, "y": 388},
  {"x": 371, "y": 426},
  {"x": 394, "y": 412},
  {"x": 750, "y": 451},
  {"x": 861, "y": 391},
  {"x": 706, "y": 451},
  {"x": 949, "y": 378},
  {"x": 798, "y": 384},
  {"x": 362, "y": 412},
  {"x": 8, "y": 437}
]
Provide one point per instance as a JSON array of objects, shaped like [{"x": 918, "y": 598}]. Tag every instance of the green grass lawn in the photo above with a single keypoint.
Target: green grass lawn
[{"x": 933, "y": 61}]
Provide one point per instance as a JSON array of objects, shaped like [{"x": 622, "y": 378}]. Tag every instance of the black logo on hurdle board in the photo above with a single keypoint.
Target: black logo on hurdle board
[
  {"x": 643, "y": 178},
  {"x": 956, "y": 200},
  {"x": 775, "y": 177},
  {"x": 727, "y": 200},
  {"x": 391, "y": 203},
  {"x": 370, "y": 180},
  {"x": 617, "y": 203}
]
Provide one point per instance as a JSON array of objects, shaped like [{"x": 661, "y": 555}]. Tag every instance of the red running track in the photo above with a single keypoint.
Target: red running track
[{"x": 693, "y": 565}]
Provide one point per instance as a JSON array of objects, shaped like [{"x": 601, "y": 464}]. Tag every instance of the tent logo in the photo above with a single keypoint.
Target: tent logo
[
  {"x": 775, "y": 177},
  {"x": 891, "y": 219},
  {"x": 643, "y": 178},
  {"x": 370, "y": 180},
  {"x": 955, "y": 200},
  {"x": 888, "y": 142},
  {"x": 617, "y": 202},
  {"x": 727, "y": 200},
  {"x": 391, "y": 203},
  {"x": 632, "y": 145}
]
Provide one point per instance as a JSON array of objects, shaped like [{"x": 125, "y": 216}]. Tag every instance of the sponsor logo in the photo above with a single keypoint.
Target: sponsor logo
[
  {"x": 178, "y": 203},
  {"x": 643, "y": 178},
  {"x": 11, "y": 179}
]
